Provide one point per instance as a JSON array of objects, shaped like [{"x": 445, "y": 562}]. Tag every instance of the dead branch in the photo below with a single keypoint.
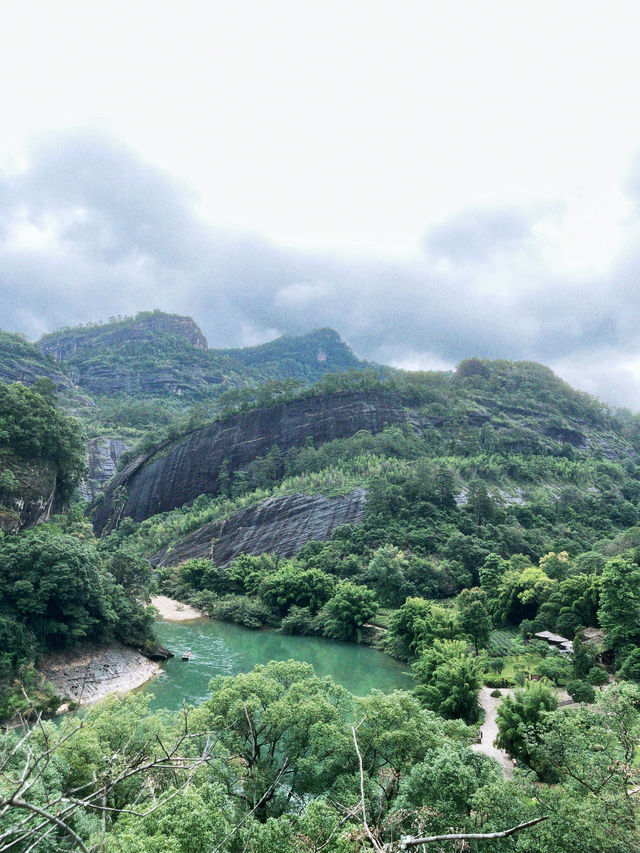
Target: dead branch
[{"x": 408, "y": 842}]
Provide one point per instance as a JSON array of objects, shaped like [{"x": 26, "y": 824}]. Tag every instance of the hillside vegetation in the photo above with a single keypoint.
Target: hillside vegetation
[{"x": 447, "y": 515}]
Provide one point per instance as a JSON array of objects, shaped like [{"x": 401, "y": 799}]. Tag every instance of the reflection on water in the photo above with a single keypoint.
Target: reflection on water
[{"x": 220, "y": 648}]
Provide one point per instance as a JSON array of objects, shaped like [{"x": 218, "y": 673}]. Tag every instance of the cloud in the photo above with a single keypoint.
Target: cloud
[
  {"x": 89, "y": 230},
  {"x": 475, "y": 235}
]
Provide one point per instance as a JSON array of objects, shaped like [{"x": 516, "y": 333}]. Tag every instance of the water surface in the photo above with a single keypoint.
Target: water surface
[{"x": 220, "y": 648}]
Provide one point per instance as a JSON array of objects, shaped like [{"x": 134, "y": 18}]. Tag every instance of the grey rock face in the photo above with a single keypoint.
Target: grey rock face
[
  {"x": 278, "y": 526},
  {"x": 103, "y": 454},
  {"x": 89, "y": 672},
  {"x": 178, "y": 471}
]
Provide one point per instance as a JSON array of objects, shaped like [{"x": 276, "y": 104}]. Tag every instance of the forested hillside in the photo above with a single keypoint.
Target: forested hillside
[{"x": 448, "y": 517}]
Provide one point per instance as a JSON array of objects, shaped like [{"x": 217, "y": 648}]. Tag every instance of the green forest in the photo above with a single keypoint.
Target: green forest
[{"x": 503, "y": 504}]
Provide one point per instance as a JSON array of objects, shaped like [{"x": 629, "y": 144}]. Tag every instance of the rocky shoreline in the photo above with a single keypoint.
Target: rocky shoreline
[{"x": 91, "y": 672}]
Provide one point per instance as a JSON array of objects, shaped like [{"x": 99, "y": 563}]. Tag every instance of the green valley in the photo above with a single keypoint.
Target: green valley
[{"x": 479, "y": 526}]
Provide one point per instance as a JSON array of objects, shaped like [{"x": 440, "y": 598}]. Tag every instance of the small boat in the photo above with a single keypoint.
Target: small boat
[{"x": 187, "y": 655}]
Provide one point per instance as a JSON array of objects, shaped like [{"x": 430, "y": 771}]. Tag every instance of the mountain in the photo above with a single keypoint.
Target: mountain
[
  {"x": 503, "y": 454},
  {"x": 22, "y": 361},
  {"x": 135, "y": 374},
  {"x": 161, "y": 355}
]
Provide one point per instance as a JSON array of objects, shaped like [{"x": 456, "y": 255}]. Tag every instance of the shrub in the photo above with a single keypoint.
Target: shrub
[
  {"x": 581, "y": 691},
  {"x": 496, "y": 694},
  {"x": 630, "y": 669},
  {"x": 299, "y": 621},
  {"x": 243, "y": 610},
  {"x": 597, "y": 676},
  {"x": 494, "y": 679}
]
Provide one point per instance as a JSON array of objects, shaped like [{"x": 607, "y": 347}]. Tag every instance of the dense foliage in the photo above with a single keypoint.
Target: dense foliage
[
  {"x": 58, "y": 589},
  {"x": 280, "y": 760},
  {"x": 507, "y": 505},
  {"x": 33, "y": 427}
]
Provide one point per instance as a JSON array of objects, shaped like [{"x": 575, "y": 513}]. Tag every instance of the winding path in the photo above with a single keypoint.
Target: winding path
[{"x": 489, "y": 730}]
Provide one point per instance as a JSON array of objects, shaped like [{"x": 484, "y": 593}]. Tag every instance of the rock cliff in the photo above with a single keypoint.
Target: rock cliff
[
  {"x": 279, "y": 526},
  {"x": 178, "y": 471},
  {"x": 102, "y": 458}
]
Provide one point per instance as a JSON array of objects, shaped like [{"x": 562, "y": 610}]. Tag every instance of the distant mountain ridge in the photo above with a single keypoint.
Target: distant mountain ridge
[{"x": 154, "y": 354}]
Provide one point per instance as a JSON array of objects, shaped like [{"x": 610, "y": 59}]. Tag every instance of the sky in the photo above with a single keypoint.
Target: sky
[{"x": 434, "y": 180}]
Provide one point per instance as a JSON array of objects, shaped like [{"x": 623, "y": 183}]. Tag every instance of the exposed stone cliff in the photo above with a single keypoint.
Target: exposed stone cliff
[
  {"x": 178, "y": 471},
  {"x": 102, "y": 458},
  {"x": 279, "y": 526}
]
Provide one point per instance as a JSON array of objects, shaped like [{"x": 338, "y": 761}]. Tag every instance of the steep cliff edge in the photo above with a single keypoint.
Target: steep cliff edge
[
  {"x": 22, "y": 361},
  {"x": 279, "y": 526},
  {"x": 178, "y": 471}
]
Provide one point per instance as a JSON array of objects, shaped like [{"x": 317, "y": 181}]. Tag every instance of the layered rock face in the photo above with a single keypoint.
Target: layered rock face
[
  {"x": 90, "y": 672},
  {"x": 279, "y": 526},
  {"x": 178, "y": 471},
  {"x": 102, "y": 458}
]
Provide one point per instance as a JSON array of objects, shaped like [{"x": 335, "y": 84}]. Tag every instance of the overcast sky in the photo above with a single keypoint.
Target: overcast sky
[{"x": 432, "y": 179}]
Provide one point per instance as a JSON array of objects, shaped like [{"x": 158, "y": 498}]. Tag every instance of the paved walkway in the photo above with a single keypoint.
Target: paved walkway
[{"x": 489, "y": 729}]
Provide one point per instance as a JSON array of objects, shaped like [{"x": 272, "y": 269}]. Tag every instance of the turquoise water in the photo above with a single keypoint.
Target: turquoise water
[{"x": 220, "y": 648}]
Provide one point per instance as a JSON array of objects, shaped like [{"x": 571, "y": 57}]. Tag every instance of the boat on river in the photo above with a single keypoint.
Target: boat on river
[{"x": 187, "y": 655}]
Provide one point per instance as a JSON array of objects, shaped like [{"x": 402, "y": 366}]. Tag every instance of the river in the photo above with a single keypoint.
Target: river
[{"x": 220, "y": 648}]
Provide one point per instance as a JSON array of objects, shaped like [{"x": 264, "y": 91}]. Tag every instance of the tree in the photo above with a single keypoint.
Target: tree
[
  {"x": 573, "y": 603},
  {"x": 347, "y": 610},
  {"x": 294, "y": 585},
  {"x": 593, "y": 748},
  {"x": 284, "y": 727},
  {"x": 449, "y": 679},
  {"x": 473, "y": 617},
  {"x": 555, "y": 565},
  {"x": 56, "y": 586},
  {"x": 387, "y": 573},
  {"x": 418, "y": 623},
  {"x": 520, "y": 719},
  {"x": 491, "y": 573},
  {"x": 520, "y": 593},
  {"x": 619, "y": 611}
]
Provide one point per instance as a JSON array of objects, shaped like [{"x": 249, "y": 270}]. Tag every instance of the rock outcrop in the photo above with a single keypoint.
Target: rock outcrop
[
  {"x": 179, "y": 470},
  {"x": 278, "y": 526},
  {"x": 102, "y": 459},
  {"x": 90, "y": 672}
]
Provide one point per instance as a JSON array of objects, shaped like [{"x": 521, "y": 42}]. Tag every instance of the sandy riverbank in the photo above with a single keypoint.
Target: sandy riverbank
[
  {"x": 174, "y": 611},
  {"x": 90, "y": 672}
]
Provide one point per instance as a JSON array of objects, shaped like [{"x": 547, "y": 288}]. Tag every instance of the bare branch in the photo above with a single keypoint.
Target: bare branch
[
  {"x": 408, "y": 841},
  {"x": 22, "y": 804},
  {"x": 370, "y": 835}
]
